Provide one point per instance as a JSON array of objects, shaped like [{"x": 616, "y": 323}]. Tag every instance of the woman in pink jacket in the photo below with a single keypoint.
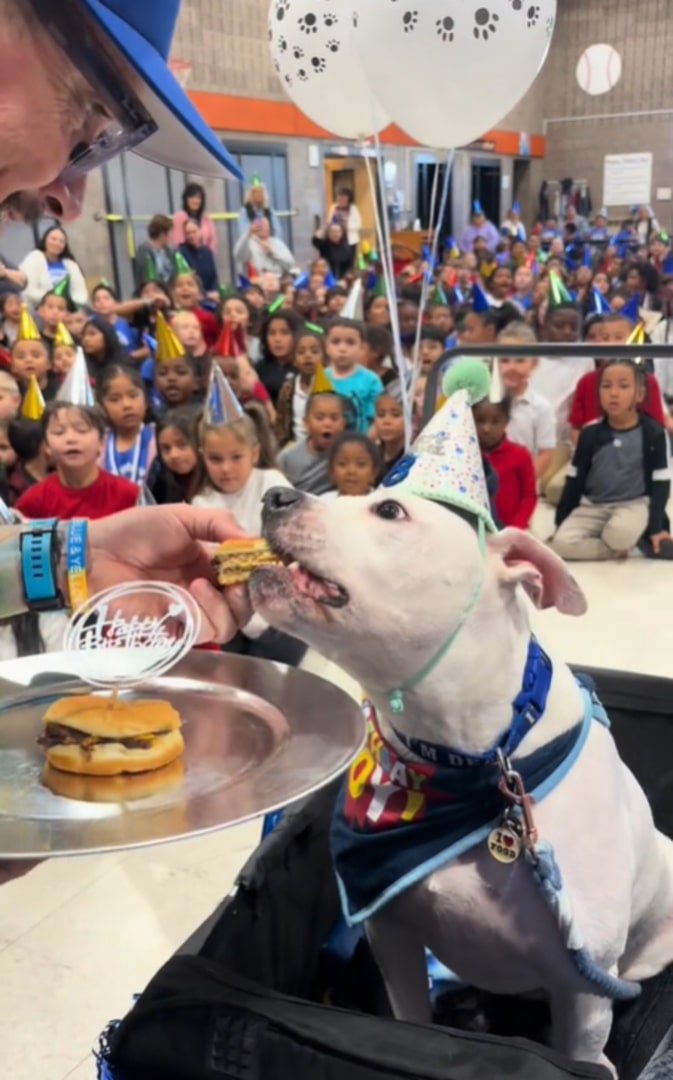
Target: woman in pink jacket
[{"x": 194, "y": 207}]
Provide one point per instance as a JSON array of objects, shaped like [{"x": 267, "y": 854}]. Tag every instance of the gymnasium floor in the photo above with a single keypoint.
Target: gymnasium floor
[{"x": 78, "y": 937}]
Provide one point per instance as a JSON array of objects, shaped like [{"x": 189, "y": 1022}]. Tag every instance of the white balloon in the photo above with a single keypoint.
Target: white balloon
[
  {"x": 446, "y": 71},
  {"x": 313, "y": 52}
]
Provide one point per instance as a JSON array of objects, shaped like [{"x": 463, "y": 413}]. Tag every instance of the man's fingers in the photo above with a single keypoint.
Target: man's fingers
[
  {"x": 218, "y": 621},
  {"x": 238, "y": 599},
  {"x": 208, "y": 526}
]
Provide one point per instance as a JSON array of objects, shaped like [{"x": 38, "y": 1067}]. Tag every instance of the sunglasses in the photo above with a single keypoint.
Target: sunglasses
[{"x": 87, "y": 48}]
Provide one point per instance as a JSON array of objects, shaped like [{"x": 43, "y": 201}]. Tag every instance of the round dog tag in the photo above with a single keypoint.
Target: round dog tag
[{"x": 504, "y": 844}]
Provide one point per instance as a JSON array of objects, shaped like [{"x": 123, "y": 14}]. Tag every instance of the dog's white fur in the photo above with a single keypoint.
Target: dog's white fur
[{"x": 409, "y": 574}]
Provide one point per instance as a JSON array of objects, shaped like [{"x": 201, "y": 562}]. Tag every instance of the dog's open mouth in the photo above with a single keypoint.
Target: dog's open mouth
[{"x": 307, "y": 582}]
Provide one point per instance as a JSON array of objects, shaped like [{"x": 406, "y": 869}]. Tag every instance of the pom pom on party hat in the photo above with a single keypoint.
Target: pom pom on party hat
[
  {"x": 168, "y": 347},
  {"x": 76, "y": 387},
  {"x": 63, "y": 336},
  {"x": 445, "y": 463},
  {"x": 222, "y": 405},
  {"x": 28, "y": 331},
  {"x": 32, "y": 405}
]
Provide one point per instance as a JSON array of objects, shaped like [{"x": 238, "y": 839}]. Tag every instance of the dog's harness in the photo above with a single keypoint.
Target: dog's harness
[{"x": 397, "y": 821}]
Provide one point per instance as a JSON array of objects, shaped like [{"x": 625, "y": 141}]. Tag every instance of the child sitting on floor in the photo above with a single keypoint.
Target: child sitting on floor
[
  {"x": 309, "y": 352},
  {"x": 515, "y": 496},
  {"x": 618, "y": 482}
]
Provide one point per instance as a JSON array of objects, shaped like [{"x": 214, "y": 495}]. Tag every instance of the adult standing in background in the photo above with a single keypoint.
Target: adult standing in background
[
  {"x": 345, "y": 210},
  {"x": 256, "y": 205},
  {"x": 194, "y": 209},
  {"x": 47, "y": 264},
  {"x": 155, "y": 255},
  {"x": 200, "y": 258},
  {"x": 265, "y": 252},
  {"x": 479, "y": 227}
]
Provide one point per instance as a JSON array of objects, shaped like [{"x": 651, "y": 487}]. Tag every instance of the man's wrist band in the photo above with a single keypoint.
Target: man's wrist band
[
  {"x": 39, "y": 548},
  {"x": 75, "y": 563}
]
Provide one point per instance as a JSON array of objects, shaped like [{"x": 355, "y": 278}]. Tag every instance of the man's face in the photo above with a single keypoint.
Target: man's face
[{"x": 192, "y": 234}]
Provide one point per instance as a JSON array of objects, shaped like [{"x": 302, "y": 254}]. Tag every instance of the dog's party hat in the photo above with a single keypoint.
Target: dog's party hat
[
  {"x": 353, "y": 308},
  {"x": 63, "y": 336},
  {"x": 28, "y": 331},
  {"x": 445, "y": 463},
  {"x": 321, "y": 383},
  {"x": 32, "y": 405},
  {"x": 168, "y": 347},
  {"x": 76, "y": 387},
  {"x": 222, "y": 405}
]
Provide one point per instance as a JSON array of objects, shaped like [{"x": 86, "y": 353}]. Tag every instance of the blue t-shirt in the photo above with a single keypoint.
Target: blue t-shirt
[
  {"x": 361, "y": 389},
  {"x": 57, "y": 271}
]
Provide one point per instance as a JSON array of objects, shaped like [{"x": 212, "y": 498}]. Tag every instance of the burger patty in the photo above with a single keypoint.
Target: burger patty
[{"x": 60, "y": 735}]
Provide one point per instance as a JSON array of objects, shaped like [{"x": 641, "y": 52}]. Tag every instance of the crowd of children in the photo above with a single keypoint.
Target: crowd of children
[{"x": 101, "y": 407}]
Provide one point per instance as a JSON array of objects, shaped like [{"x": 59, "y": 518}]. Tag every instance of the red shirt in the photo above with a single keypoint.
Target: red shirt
[
  {"x": 516, "y": 497},
  {"x": 50, "y": 498},
  {"x": 586, "y": 406},
  {"x": 210, "y": 327}
]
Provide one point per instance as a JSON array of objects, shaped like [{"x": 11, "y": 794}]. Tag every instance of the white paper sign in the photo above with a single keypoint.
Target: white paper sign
[
  {"x": 664, "y": 194},
  {"x": 627, "y": 179}
]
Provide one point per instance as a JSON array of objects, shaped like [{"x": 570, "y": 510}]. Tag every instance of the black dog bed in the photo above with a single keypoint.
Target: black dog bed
[{"x": 268, "y": 939}]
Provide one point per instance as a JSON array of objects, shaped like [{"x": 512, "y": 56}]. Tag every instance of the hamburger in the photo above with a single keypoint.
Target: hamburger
[
  {"x": 94, "y": 735},
  {"x": 113, "y": 789},
  {"x": 235, "y": 560}
]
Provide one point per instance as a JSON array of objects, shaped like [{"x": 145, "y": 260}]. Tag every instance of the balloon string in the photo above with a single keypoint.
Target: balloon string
[
  {"x": 435, "y": 224},
  {"x": 385, "y": 252}
]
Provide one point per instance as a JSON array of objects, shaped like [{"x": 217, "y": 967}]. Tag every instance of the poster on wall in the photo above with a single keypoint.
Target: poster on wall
[{"x": 627, "y": 179}]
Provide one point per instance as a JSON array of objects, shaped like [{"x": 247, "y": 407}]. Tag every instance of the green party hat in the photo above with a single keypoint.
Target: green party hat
[
  {"x": 180, "y": 263},
  {"x": 275, "y": 305},
  {"x": 438, "y": 296},
  {"x": 226, "y": 291},
  {"x": 558, "y": 294},
  {"x": 313, "y": 328},
  {"x": 63, "y": 287},
  {"x": 150, "y": 271},
  {"x": 380, "y": 287},
  {"x": 256, "y": 180}
]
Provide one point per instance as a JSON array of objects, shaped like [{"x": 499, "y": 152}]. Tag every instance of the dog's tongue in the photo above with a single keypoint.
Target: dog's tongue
[{"x": 315, "y": 587}]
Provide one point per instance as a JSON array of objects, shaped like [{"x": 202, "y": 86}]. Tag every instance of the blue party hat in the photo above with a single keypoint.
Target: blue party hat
[
  {"x": 515, "y": 206},
  {"x": 586, "y": 257},
  {"x": 600, "y": 304},
  {"x": 630, "y": 309},
  {"x": 222, "y": 405},
  {"x": 301, "y": 281},
  {"x": 243, "y": 282},
  {"x": 330, "y": 280},
  {"x": 476, "y": 207},
  {"x": 480, "y": 301}
]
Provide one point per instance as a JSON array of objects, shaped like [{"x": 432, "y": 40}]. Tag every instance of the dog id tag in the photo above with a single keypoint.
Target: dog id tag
[{"x": 504, "y": 844}]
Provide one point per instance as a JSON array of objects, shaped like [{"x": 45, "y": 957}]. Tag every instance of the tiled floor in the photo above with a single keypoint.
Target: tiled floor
[{"x": 79, "y": 936}]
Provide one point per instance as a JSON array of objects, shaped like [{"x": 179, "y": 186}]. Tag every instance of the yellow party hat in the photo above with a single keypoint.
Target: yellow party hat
[
  {"x": 32, "y": 405},
  {"x": 28, "y": 331},
  {"x": 321, "y": 383},
  {"x": 637, "y": 335},
  {"x": 63, "y": 336},
  {"x": 168, "y": 347}
]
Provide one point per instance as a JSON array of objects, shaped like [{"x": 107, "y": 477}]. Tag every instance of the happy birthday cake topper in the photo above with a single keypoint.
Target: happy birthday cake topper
[{"x": 132, "y": 633}]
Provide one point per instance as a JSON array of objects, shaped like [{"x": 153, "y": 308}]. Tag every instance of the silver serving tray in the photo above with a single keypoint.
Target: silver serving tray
[{"x": 258, "y": 736}]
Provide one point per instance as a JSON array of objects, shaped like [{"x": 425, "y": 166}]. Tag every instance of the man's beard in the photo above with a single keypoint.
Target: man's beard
[{"x": 22, "y": 206}]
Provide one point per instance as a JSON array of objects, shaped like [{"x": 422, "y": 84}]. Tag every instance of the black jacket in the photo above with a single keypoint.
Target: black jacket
[{"x": 655, "y": 463}]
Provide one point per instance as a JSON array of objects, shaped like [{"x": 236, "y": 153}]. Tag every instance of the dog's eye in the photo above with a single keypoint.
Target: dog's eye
[{"x": 390, "y": 511}]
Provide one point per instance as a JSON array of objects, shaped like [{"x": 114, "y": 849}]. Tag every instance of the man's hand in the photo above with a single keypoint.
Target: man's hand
[
  {"x": 173, "y": 544},
  {"x": 658, "y": 539}
]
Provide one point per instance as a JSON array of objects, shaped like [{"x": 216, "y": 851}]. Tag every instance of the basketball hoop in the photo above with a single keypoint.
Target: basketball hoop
[{"x": 182, "y": 70}]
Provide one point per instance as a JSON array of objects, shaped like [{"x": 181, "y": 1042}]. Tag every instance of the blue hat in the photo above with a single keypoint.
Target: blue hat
[
  {"x": 480, "y": 301},
  {"x": 476, "y": 207},
  {"x": 330, "y": 280},
  {"x": 141, "y": 34},
  {"x": 631, "y": 309},
  {"x": 515, "y": 206},
  {"x": 600, "y": 304},
  {"x": 301, "y": 281},
  {"x": 586, "y": 257}
]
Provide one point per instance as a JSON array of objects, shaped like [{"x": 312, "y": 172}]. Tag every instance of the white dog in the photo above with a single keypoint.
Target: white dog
[{"x": 377, "y": 584}]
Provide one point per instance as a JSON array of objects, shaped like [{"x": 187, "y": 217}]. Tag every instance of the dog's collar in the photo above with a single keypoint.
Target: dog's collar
[{"x": 527, "y": 708}]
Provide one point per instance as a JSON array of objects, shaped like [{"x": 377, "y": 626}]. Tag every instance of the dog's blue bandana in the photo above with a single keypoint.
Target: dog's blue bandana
[{"x": 397, "y": 821}]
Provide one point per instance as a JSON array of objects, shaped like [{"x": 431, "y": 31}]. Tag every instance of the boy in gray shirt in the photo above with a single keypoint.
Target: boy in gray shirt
[{"x": 306, "y": 464}]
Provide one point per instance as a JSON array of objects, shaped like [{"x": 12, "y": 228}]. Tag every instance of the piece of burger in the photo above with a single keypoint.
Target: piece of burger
[
  {"x": 106, "y": 736},
  {"x": 113, "y": 789},
  {"x": 235, "y": 560}
]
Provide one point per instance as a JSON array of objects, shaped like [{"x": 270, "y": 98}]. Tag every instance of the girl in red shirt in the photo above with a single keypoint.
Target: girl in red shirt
[{"x": 516, "y": 495}]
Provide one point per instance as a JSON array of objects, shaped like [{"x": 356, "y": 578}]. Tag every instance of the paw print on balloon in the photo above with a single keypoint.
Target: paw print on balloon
[
  {"x": 549, "y": 28},
  {"x": 282, "y": 44},
  {"x": 330, "y": 20},
  {"x": 532, "y": 16},
  {"x": 318, "y": 64},
  {"x": 333, "y": 45},
  {"x": 281, "y": 9},
  {"x": 308, "y": 24},
  {"x": 445, "y": 28},
  {"x": 298, "y": 53},
  {"x": 288, "y": 79},
  {"x": 410, "y": 21},
  {"x": 302, "y": 75},
  {"x": 517, "y": 5},
  {"x": 356, "y": 20},
  {"x": 485, "y": 23}
]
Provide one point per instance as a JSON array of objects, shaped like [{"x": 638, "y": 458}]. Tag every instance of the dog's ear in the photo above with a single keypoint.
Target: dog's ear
[{"x": 545, "y": 577}]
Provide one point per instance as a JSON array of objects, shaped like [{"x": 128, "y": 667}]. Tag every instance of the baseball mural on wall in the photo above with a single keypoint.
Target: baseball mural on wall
[{"x": 599, "y": 69}]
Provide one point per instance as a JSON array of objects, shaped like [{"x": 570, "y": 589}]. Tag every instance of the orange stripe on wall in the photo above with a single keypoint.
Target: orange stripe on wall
[{"x": 225, "y": 112}]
